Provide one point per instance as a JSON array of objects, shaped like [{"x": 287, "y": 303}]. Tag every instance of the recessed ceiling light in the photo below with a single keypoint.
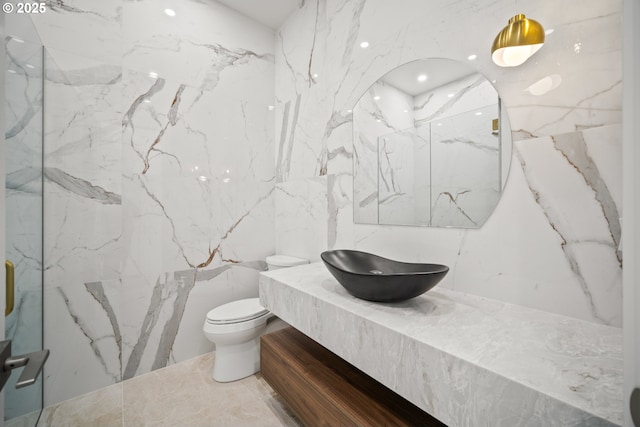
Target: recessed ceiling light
[
  {"x": 472, "y": 57},
  {"x": 314, "y": 75},
  {"x": 478, "y": 113},
  {"x": 364, "y": 44},
  {"x": 170, "y": 12},
  {"x": 148, "y": 101},
  {"x": 451, "y": 95},
  {"x": 271, "y": 108},
  {"x": 376, "y": 97},
  {"x": 422, "y": 78},
  {"x": 153, "y": 75},
  {"x": 202, "y": 178},
  {"x": 549, "y": 31},
  {"x": 406, "y": 111},
  {"x": 349, "y": 111},
  {"x": 30, "y": 66}
]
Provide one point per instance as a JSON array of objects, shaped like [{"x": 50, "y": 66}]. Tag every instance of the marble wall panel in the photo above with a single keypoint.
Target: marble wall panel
[
  {"x": 136, "y": 232},
  {"x": 302, "y": 218},
  {"x": 87, "y": 29},
  {"x": 159, "y": 181},
  {"x": 536, "y": 249},
  {"x": 83, "y": 224},
  {"x": 23, "y": 200}
]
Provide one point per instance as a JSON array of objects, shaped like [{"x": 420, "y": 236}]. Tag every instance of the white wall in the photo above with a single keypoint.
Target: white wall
[
  {"x": 159, "y": 188},
  {"x": 552, "y": 241}
]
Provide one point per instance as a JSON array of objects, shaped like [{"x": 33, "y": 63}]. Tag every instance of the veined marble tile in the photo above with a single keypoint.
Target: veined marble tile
[
  {"x": 190, "y": 185},
  {"x": 517, "y": 256},
  {"x": 90, "y": 29},
  {"x": 302, "y": 219},
  {"x": 604, "y": 149},
  {"x": 82, "y": 317},
  {"x": 201, "y": 38},
  {"x": 83, "y": 106},
  {"x": 580, "y": 208},
  {"x": 539, "y": 248},
  {"x": 166, "y": 327},
  {"x": 23, "y": 196},
  {"x": 392, "y": 32},
  {"x": 153, "y": 181},
  {"x": 565, "y": 99}
]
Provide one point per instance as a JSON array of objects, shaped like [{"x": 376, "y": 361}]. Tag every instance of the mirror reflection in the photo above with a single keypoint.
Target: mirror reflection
[{"x": 431, "y": 147}]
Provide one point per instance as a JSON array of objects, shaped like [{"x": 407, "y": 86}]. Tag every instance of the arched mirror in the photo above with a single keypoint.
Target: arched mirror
[{"x": 432, "y": 147}]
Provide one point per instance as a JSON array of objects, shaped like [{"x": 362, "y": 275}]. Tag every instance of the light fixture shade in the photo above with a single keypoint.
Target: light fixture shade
[{"x": 517, "y": 42}]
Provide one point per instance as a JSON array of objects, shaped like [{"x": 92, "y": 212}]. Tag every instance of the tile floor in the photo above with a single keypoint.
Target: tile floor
[{"x": 181, "y": 395}]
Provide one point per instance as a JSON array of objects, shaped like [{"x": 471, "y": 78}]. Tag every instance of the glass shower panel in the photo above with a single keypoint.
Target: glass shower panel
[{"x": 24, "y": 204}]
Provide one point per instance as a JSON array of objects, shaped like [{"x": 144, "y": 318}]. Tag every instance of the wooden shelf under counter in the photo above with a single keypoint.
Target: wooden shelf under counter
[{"x": 324, "y": 390}]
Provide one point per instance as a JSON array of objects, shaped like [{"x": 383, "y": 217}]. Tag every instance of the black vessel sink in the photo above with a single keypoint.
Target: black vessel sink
[{"x": 375, "y": 278}]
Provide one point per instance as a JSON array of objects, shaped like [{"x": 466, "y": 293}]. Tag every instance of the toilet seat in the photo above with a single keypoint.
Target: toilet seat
[{"x": 243, "y": 310}]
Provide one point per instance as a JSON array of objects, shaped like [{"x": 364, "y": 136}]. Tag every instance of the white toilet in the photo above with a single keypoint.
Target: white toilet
[{"x": 236, "y": 327}]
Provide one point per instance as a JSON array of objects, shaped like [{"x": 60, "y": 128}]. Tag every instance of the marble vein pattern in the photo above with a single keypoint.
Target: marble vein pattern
[
  {"x": 114, "y": 70},
  {"x": 303, "y": 218},
  {"x": 23, "y": 188},
  {"x": 580, "y": 209},
  {"x": 551, "y": 242},
  {"x": 466, "y": 360},
  {"x": 160, "y": 182}
]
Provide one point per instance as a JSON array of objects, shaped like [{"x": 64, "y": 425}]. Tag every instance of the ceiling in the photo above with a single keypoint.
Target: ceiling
[
  {"x": 438, "y": 71},
  {"x": 271, "y": 13}
]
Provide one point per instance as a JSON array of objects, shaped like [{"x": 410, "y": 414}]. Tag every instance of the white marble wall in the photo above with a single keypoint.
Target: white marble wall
[
  {"x": 138, "y": 240},
  {"x": 552, "y": 241},
  {"x": 159, "y": 184},
  {"x": 23, "y": 129}
]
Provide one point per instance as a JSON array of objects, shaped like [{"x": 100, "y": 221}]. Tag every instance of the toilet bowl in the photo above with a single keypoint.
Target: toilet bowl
[{"x": 236, "y": 327}]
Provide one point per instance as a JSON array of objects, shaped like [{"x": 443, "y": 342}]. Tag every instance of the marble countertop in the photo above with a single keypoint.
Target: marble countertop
[{"x": 466, "y": 360}]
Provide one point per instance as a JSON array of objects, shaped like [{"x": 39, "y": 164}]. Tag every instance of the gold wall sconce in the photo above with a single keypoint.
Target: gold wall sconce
[{"x": 517, "y": 42}]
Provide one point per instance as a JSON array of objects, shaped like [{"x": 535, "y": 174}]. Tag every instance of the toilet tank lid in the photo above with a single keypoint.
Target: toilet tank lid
[
  {"x": 285, "y": 260},
  {"x": 235, "y": 311}
]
